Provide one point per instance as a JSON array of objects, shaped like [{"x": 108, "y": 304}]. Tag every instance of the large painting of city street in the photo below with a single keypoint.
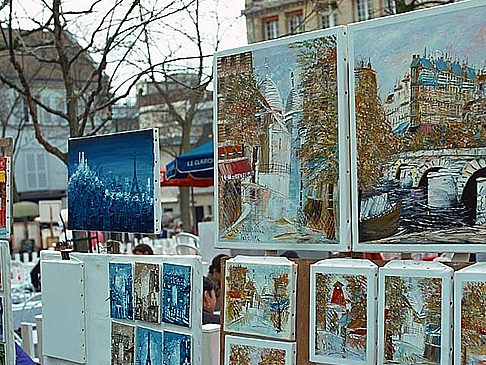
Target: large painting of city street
[
  {"x": 341, "y": 317},
  {"x": 277, "y": 138},
  {"x": 241, "y": 350},
  {"x": 259, "y": 299},
  {"x": 147, "y": 292},
  {"x": 412, "y": 320},
  {"x": 176, "y": 287},
  {"x": 122, "y": 344},
  {"x": 419, "y": 100},
  {"x": 111, "y": 183},
  {"x": 473, "y": 323},
  {"x": 121, "y": 290}
]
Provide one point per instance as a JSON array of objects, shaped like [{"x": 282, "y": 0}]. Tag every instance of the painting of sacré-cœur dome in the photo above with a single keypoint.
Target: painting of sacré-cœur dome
[{"x": 277, "y": 137}]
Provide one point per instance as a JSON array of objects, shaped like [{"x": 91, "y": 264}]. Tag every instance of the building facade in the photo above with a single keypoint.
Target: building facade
[
  {"x": 154, "y": 112},
  {"x": 269, "y": 19}
]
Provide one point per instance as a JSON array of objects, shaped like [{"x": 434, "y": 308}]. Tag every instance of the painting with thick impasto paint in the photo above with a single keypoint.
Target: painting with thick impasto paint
[
  {"x": 121, "y": 290},
  {"x": 147, "y": 292},
  {"x": 419, "y": 96},
  {"x": 259, "y": 299},
  {"x": 277, "y": 138},
  {"x": 412, "y": 320},
  {"x": 122, "y": 344},
  {"x": 244, "y": 351},
  {"x": 341, "y": 316},
  {"x": 473, "y": 323},
  {"x": 148, "y": 347},
  {"x": 177, "y": 348},
  {"x": 112, "y": 183},
  {"x": 176, "y": 288}
]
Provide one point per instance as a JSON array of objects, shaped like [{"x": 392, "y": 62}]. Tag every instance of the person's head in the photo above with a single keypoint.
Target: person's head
[
  {"x": 215, "y": 268},
  {"x": 209, "y": 295},
  {"x": 143, "y": 249},
  {"x": 290, "y": 254}
]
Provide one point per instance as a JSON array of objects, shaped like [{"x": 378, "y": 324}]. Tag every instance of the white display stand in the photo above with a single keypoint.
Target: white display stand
[
  {"x": 206, "y": 232},
  {"x": 418, "y": 270},
  {"x": 339, "y": 269},
  {"x": 475, "y": 274},
  {"x": 77, "y": 323},
  {"x": 5, "y": 294}
]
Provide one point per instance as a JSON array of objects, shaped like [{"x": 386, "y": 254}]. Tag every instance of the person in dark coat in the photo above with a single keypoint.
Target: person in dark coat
[{"x": 209, "y": 302}]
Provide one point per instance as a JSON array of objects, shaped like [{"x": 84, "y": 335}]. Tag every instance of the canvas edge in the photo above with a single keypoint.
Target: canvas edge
[
  {"x": 371, "y": 274},
  {"x": 351, "y": 30},
  {"x": 7, "y": 303},
  {"x": 289, "y": 347},
  {"x": 156, "y": 182},
  {"x": 343, "y": 243}
]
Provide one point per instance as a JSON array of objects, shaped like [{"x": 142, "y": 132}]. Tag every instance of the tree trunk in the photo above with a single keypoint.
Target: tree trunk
[{"x": 185, "y": 207}]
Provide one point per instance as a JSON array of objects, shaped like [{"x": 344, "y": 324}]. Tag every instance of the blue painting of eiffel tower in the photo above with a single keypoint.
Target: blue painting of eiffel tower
[
  {"x": 149, "y": 347},
  {"x": 111, "y": 183}
]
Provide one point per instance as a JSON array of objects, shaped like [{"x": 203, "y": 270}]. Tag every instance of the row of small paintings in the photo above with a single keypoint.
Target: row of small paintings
[
  {"x": 151, "y": 292},
  {"x": 412, "y": 304},
  {"x": 139, "y": 345},
  {"x": 260, "y": 297}
]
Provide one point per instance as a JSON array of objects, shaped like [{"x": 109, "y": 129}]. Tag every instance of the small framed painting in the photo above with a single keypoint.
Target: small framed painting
[{"x": 343, "y": 312}]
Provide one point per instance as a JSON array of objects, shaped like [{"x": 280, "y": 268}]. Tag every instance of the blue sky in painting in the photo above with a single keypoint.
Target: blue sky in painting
[
  {"x": 121, "y": 294},
  {"x": 177, "y": 348},
  {"x": 282, "y": 60},
  {"x": 114, "y": 153},
  {"x": 390, "y": 47},
  {"x": 142, "y": 348},
  {"x": 176, "y": 282}
]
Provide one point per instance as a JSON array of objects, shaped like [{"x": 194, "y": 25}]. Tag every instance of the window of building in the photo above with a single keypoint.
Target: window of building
[
  {"x": 390, "y": 6},
  {"x": 271, "y": 27},
  {"x": 295, "y": 22},
  {"x": 330, "y": 19},
  {"x": 36, "y": 165},
  {"x": 365, "y": 9}
]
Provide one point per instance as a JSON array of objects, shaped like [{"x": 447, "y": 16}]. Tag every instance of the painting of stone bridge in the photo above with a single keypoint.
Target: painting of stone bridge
[{"x": 419, "y": 111}]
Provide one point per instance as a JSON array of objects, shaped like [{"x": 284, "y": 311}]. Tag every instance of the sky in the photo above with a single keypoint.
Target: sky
[{"x": 390, "y": 47}]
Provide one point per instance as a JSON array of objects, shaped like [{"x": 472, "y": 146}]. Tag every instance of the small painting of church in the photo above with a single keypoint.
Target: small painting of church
[
  {"x": 122, "y": 344},
  {"x": 112, "y": 182},
  {"x": 341, "y": 316},
  {"x": 147, "y": 292},
  {"x": 148, "y": 347},
  {"x": 121, "y": 290},
  {"x": 176, "y": 292}
]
